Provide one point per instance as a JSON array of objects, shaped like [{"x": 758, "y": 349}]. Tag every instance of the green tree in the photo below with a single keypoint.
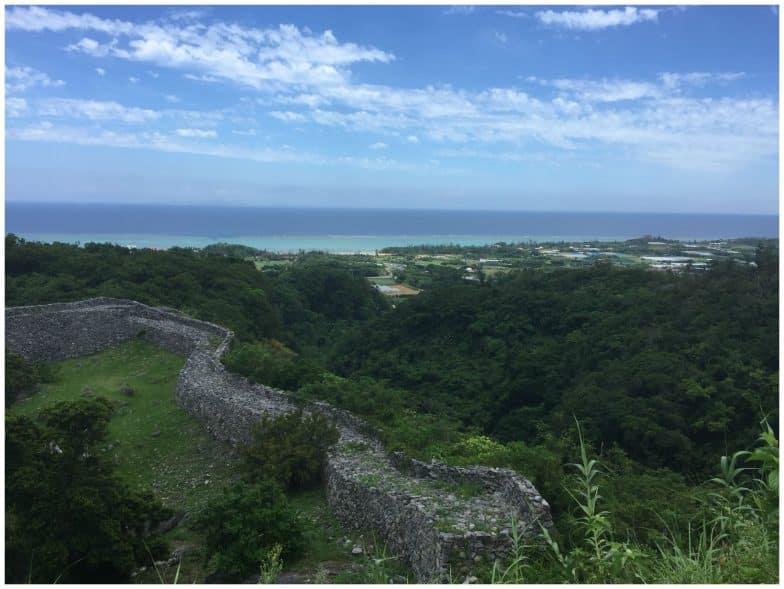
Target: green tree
[
  {"x": 21, "y": 377},
  {"x": 244, "y": 523},
  {"x": 69, "y": 518},
  {"x": 290, "y": 449}
]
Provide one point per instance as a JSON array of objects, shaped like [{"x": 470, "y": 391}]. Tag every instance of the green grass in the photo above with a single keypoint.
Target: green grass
[
  {"x": 156, "y": 445},
  {"x": 323, "y": 532},
  {"x": 153, "y": 442}
]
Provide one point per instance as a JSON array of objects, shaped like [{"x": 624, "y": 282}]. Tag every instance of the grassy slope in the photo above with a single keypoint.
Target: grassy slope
[{"x": 182, "y": 464}]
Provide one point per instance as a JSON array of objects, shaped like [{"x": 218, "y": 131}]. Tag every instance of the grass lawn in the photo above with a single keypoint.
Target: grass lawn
[{"x": 153, "y": 442}]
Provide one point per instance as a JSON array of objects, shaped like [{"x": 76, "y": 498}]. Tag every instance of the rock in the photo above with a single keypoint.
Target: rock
[
  {"x": 357, "y": 550},
  {"x": 470, "y": 580},
  {"x": 87, "y": 392},
  {"x": 127, "y": 390},
  {"x": 156, "y": 433}
]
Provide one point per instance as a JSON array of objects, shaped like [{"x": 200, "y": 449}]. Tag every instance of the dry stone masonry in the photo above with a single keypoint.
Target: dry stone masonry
[{"x": 441, "y": 521}]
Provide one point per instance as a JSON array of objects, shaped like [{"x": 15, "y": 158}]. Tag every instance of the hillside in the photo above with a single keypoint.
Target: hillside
[{"x": 664, "y": 373}]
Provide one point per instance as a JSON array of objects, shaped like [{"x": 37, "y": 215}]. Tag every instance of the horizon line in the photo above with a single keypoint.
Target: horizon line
[{"x": 370, "y": 208}]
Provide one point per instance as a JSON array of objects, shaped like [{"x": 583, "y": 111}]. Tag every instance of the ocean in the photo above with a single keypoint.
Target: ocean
[{"x": 355, "y": 230}]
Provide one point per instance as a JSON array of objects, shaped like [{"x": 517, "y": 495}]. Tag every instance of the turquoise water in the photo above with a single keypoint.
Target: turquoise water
[
  {"x": 355, "y": 230},
  {"x": 285, "y": 244}
]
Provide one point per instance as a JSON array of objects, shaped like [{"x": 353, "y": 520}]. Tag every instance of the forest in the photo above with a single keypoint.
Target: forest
[{"x": 656, "y": 375}]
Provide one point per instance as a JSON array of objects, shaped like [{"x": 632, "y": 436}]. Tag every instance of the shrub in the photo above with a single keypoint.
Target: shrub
[
  {"x": 362, "y": 395},
  {"x": 68, "y": 517},
  {"x": 22, "y": 377},
  {"x": 271, "y": 363},
  {"x": 244, "y": 524},
  {"x": 290, "y": 449}
]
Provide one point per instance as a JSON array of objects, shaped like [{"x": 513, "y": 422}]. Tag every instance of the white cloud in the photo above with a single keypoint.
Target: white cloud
[
  {"x": 91, "y": 47},
  {"x": 19, "y": 79},
  {"x": 94, "y": 110},
  {"x": 100, "y": 71},
  {"x": 597, "y": 19},
  {"x": 305, "y": 78},
  {"x": 153, "y": 141},
  {"x": 606, "y": 90},
  {"x": 698, "y": 79},
  {"x": 37, "y": 19},
  {"x": 651, "y": 123},
  {"x": 191, "y": 15},
  {"x": 153, "y": 74},
  {"x": 287, "y": 116},
  {"x": 198, "y": 133},
  {"x": 208, "y": 79},
  {"x": 15, "y": 107},
  {"x": 253, "y": 57},
  {"x": 617, "y": 90},
  {"x": 244, "y": 132},
  {"x": 133, "y": 80},
  {"x": 513, "y": 13},
  {"x": 380, "y": 164},
  {"x": 500, "y": 37},
  {"x": 378, "y": 145},
  {"x": 171, "y": 98}
]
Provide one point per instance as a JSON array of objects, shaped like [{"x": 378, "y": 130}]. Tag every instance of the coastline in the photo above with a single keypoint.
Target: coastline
[{"x": 335, "y": 244}]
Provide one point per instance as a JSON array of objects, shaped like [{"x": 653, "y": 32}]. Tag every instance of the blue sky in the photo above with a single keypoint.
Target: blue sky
[{"x": 609, "y": 108}]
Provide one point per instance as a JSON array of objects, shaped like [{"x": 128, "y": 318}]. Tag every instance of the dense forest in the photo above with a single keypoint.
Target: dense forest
[
  {"x": 664, "y": 373},
  {"x": 673, "y": 369}
]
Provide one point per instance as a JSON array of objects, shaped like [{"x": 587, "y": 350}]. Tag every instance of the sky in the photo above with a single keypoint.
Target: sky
[{"x": 607, "y": 108}]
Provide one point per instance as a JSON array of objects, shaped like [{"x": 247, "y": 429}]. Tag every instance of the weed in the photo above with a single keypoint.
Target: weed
[{"x": 272, "y": 565}]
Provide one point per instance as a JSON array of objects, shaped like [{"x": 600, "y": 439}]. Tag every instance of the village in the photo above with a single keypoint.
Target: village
[{"x": 401, "y": 272}]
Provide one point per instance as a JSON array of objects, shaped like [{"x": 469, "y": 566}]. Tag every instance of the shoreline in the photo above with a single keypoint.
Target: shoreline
[{"x": 334, "y": 244}]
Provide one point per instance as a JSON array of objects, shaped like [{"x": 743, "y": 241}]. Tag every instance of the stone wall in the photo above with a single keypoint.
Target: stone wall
[{"x": 439, "y": 520}]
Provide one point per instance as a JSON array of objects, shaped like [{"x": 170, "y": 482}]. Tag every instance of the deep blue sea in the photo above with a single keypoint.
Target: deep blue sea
[{"x": 354, "y": 230}]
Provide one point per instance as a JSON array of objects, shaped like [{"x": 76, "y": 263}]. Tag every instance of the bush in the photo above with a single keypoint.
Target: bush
[
  {"x": 245, "y": 523},
  {"x": 290, "y": 449},
  {"x": 68, "y": 517},
  {"x": 22, "y": 377},
  {"x": 362, "y": 395},
  {"x": 271, "y": 363}
]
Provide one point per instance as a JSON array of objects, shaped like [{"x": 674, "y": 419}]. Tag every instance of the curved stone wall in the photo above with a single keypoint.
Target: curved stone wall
[{"x": 440, "y": 520}]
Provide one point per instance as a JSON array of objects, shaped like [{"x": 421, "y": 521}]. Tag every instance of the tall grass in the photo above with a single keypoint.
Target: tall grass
[
  {"x": 733, "y": 540},
  {"x": 736, "y": 540},
  {"x": 595, "y": 556}
]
